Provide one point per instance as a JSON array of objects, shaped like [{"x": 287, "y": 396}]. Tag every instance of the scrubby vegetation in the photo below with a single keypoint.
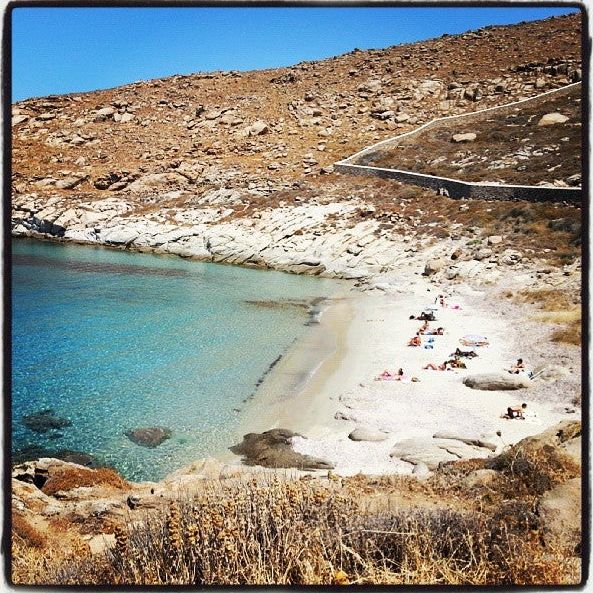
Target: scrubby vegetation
[
  {"x": 332, "y": 531},
  {"x": 509, "y": 147},
  {"x": 558, "y": 307}
]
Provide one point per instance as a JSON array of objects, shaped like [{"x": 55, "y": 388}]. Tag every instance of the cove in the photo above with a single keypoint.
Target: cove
[{"x": 113, "y": 340}]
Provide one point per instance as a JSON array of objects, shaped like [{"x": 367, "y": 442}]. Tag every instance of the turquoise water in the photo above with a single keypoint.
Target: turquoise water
[{"x": 114, "y": 340}]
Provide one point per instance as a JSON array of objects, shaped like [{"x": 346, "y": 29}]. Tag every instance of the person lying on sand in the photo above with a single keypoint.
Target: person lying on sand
[
  {"x": 439, "y": 331},
  {"x": 423, "y": 329},
  {"x": 518, "y": 367},
  {"x": 464, "y": 353},
  {"x": 387, "y": 376},
  {"x": 424, "y": 316},
  {"x": 415, "y": 341},
  {"x": 436, "y": 367},
  {"x": 516, "y": 412},
  {"x": 456, "y": 363}
]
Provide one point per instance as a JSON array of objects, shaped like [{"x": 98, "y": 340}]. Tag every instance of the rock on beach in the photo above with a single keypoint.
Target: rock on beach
[
  {"x": 273, "y": 448},
  {"x": 497, "y": 381}
]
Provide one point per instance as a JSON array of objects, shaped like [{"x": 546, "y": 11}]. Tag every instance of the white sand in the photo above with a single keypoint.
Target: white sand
[{"x": 377, "y": 340}]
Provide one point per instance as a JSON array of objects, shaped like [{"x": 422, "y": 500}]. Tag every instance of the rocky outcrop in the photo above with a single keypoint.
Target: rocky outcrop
[
  {"x": 560, "y": 513},
  {"x": 497, "y": 381},
  {"x": 433, "y": 452},
  {"x": 273, "y": 449}
]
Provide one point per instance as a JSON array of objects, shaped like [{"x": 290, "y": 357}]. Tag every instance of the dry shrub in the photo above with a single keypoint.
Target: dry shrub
[
  {"x": 27, "y": 533},
  {"x": 296, "y": 532},
  {"x": 551, "y": 299},
  {"x": 70, "y": 478},
  {"x": 535, "y": 469},
  {"x": 570, "y": 334},
  {"x": 560, "y": 307}
]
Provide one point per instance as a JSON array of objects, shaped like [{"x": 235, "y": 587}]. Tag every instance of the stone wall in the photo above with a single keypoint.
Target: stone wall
[
  {"x": 465, "y": 189},
  {"x": 455, "y": 188}
]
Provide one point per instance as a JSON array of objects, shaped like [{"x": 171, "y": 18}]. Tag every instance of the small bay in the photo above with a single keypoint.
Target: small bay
[{"x": 113, "y": 341}]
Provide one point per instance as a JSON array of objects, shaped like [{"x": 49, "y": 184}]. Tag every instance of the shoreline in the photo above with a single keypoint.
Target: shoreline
[
  {"x": 322, "y": 386},
  {"x": 287, "y": 397},
  {"x": 344, "y": 395}
]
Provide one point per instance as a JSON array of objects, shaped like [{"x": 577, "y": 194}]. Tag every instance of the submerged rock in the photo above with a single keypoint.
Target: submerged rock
[
  {"x": 149, "y": 437},
  {"x": 273, "y": 448},
  {"x": 44, "y": 421}
]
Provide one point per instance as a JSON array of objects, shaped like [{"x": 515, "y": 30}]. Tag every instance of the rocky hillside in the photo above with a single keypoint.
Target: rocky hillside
[
  {"x": 236, "y": 167},
  {"x": 536, "y": 144}
]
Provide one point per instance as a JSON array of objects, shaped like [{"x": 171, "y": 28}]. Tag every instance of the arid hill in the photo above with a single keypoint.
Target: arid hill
[
  {"x": 237, "y": 167},
  {"x": 264, "y": 129}
]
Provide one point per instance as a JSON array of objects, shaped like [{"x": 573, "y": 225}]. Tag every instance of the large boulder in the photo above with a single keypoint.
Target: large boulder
[
  {"x": 433, "y": 266},
  {"x": 551, "y": 119},
  {"x": 551, "y": 372},
  {"x": 497, "y": 381},
  {"x": 149, "y": 437},
  {"x": 273, "y": 448},
  {"x": 466, "y": 137},
  {"x": 367, "y": 434},
  {"x": 258, "y": 128},
  {"x": 484, "y": 441},
  {"x": 433, "y": 452}
]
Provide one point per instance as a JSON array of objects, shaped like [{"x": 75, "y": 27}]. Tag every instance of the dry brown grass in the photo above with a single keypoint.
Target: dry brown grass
[
  {"x": 559, "y": 307},
  {"x": 314, "y": 533},
  {"x": 74, "y": 478},
  {"x": 25, "y": 532},
  {"x": 500, "y": 136}
]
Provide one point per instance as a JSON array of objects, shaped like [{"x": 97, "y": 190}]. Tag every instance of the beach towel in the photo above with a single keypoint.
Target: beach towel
[{"x": 474, "y": 340}]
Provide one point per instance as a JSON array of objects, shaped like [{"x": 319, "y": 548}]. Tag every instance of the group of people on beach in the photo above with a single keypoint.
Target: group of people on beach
[{"x": 467, "y": 351}]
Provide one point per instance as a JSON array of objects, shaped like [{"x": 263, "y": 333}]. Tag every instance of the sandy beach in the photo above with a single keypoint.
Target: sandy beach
[{"x": 366, "y": 333}]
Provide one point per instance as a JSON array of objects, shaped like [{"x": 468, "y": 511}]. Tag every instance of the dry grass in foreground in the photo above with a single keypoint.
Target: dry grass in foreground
[{"x": 315, "y": 533}]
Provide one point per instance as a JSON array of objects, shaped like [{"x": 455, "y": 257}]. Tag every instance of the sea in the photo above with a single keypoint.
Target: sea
[{"x": 108, "y": 341}]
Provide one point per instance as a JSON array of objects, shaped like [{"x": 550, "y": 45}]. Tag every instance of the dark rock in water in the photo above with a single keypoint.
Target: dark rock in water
[
  {"x": 273, "y": 449},
  {"x": 281, "y": 304},
  {"x": 34, "y": 452},
  {"x": 149, "y": 437},
  {"x": 44, "y": 421}
]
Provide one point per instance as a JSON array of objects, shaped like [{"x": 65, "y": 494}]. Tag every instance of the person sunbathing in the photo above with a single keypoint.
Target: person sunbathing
[
  {"x": 415, "y": 341},
  {"x": 517, "y": 411},
  {"x": 456, "y": 363},
  {"x": 387, "y": 376},
  {"x": 423, "y": 329},
  {"x": 436, "y": 367},
  {"x": 464, "y": 353},
  {"x": 518, "y": 367},
  {"x": 424, "y": 316},
  {"x": 435, "y": 332}
]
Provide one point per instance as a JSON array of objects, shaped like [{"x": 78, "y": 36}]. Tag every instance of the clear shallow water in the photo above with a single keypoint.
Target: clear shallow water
[{"x": 115, "y": 340}]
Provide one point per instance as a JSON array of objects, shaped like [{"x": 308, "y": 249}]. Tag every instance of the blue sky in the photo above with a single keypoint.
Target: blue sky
[{"x": 62, "y": 50}]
